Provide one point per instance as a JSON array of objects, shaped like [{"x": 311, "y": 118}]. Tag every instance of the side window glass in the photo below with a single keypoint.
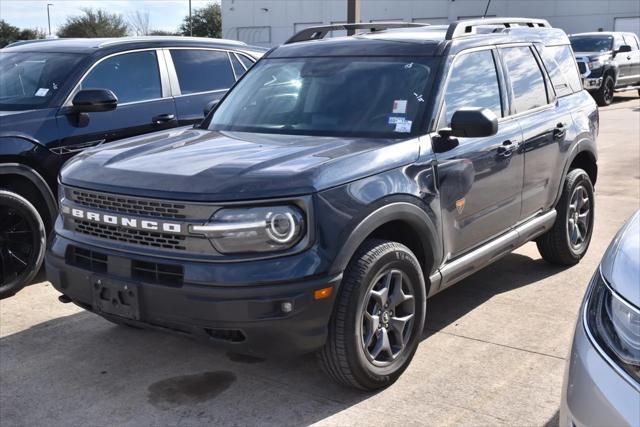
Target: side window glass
[
  {"x": 202, "y": 70},
  {"x": 238, "y": 69},
  {"x": 245, "y": 61},
  {"x": 631, "y": 41},
  {"x": 526, "y": 78},
  {"x": 617, "y": 42},
  {"x": 131, "y": 76},
  {"x": 473, "y": 83},
  {"x": 562, "y": 69}
]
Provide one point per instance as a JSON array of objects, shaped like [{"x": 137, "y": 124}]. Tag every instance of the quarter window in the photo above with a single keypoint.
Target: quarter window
[
  {"x": 631, "y": 41},
  {"x": 131, "y": 76},
  {"x": 245, "y": 61},
  {"x": 473, "y": 83},
  {"x": 202, "y": 70},
  {"x": 237, "y": 66},
  {"x": 562, "y": 69},
  {"x": 526, "y": 78}
]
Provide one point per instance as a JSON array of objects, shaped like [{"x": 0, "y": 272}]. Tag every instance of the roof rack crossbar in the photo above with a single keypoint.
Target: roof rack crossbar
[
  {"x": 317, "y": 33},
  {"x": 464, "y": 27}
]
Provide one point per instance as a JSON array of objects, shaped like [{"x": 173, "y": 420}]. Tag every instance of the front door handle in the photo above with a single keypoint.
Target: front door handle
[
  {"x": 163, "y": 118},
  {"x": 506, "y": 149},
  {"x": 559, "y": 132}
]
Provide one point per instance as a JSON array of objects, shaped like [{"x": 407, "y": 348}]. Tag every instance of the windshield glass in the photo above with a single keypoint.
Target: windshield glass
[
  {"x": 592, "y": 44},
  {"x": 337, "y": 96},
  {"x": 29, "y": 80}
]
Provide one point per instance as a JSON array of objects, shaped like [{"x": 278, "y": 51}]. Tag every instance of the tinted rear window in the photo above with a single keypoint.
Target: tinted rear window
[
  {"x": 527, "y": 82},
  {"x": 202, "y": 70}
]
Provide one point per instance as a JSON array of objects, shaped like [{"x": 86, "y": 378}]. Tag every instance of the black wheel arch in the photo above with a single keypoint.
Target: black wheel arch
[
  {"x": 410, "y": 215},
  {"x": 40, "y": 184},
  {"x": 583, "y": 155}
]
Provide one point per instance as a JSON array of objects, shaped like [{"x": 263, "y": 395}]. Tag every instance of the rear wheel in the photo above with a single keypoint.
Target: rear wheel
[
  {"x": 378, "y": 319},
  {"x": 568, "y": 240},
  {"x": 604, "y": 95},
  {"x": 22, "y": 242}
]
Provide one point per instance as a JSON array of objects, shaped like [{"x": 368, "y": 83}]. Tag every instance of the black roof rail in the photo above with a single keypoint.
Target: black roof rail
[
  {"x": 317, "y": 33},
  {"x": 464, "y": 27}
]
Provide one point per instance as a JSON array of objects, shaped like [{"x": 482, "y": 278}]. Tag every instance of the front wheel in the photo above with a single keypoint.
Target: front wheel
[
  {"x": 378, "y": 318},
  {"x": 604, "y": 95},
  {"x": 568, "y": 240},
  {"x": 22, "y": 242}
]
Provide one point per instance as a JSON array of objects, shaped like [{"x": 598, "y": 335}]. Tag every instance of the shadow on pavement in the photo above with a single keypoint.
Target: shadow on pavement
[{"x": 82, "y": 369}]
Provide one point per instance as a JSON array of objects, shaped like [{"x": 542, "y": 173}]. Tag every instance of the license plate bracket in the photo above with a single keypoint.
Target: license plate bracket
[{"x": 116, "y": 298}]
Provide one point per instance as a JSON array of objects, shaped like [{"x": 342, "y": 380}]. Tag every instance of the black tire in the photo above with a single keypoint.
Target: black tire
[
  {"x": 556, "y": 246},
  {"x": 604, "y": 95},
  {"x": 22, "y": 243},
  {"x": 345, "y": 356}
]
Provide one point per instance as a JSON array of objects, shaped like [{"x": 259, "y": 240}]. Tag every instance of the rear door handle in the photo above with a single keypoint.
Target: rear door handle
[
  {"x": 163, "y": 118},
  {"x": 559, "y": 132}
]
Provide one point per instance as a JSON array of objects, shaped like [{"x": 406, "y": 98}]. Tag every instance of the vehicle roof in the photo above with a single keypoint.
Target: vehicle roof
[
  {"x": 111, "y": 45},
  {"x": 417, "y": 41}
]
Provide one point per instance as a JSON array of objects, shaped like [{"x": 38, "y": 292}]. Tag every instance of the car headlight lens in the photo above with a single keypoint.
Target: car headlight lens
[
  {"x": 615, "y": 325},
  {"x": 250, "y": 230},
  {"x": 595, "y": 64}
]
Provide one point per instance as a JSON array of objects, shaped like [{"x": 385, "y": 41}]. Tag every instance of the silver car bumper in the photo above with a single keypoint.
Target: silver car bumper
[{"x": 594, "y": 392}]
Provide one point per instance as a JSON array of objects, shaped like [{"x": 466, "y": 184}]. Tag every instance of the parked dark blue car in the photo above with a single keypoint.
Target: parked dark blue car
[{"x": 58, "y": 97}]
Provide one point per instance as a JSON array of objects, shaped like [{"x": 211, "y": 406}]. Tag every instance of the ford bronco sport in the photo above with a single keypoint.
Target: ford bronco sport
[{"x": 337, "y": 186}]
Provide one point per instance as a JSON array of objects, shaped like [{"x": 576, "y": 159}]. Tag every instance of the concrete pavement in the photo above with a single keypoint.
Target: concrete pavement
[{"x": 493, "y": 352}]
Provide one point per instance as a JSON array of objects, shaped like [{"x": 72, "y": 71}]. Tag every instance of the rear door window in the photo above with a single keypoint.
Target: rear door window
[
  {"x": 525, "y": 75},
  {"x": 473, "y": 82},
  {"x": 133, "y": 77},
  {"x": 562, "y": 69},
  {"x": 631, "y": 41},
  {"x": 202, "y": 70},
  {"x": 245, "y": 61}
]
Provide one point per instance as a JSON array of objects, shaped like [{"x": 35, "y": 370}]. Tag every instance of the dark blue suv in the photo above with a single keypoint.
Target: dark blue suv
[
  {"x": 58, "y": 97},
  {"x": 337, "y": 186}
]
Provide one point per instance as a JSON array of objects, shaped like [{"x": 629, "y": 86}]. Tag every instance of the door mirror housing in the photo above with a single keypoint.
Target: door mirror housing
[
  {"x": 211, "y": 105},
  {"x": 94, "y": 101},
  {"x": 623, "y": 49},
  {"x": 474, "y": 123}
]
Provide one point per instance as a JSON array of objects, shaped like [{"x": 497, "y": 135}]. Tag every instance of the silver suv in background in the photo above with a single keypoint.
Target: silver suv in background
[{"x": 602, "y": 379}]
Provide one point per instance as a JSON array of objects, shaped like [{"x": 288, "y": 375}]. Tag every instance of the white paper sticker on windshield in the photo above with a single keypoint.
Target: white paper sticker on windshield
[
  {"x": 394, "y": 120},
  {"x": 399, "y": 106},
  {"x": 404, "y": 127},
  {"x": 43, "y": 91}
]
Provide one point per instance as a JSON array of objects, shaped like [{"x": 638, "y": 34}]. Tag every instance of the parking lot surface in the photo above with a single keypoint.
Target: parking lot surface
[{"x": 493, "y": 351}]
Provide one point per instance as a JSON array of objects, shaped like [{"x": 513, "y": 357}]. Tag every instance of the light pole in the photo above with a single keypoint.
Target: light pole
[
  {"x": 49, "y": 17},
  {"x": 353, "y": 14},
  {"x": 190, "y": 21}
]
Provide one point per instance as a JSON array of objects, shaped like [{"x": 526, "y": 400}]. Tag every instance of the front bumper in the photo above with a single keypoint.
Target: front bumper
[
  {"x": 244, "y": 318},
  {"x": 594, "y": 393}
]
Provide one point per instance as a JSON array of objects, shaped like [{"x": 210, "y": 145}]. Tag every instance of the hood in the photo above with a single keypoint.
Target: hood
[
  {"x": 35, "y": 125},
  {"x": 621, "y": 263},
  {"x": 593, "y": 55},
  {"x": 202, "y": 165}
]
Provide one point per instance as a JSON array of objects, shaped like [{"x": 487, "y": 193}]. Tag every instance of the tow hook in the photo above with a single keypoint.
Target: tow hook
[{"x": 64, "y": 299}]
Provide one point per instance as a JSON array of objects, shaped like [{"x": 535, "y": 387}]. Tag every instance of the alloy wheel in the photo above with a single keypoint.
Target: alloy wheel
[
  {"x": 18, "y": 239},
  {"x": 578, "y": 217},
  {"x": 387, "y": 317}
]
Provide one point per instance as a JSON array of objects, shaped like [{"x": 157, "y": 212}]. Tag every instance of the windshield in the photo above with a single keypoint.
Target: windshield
[
  {"x": 592, "y": 44},
  {"x": 29, "y": 80},
  {"x": 337, "y": 96}
]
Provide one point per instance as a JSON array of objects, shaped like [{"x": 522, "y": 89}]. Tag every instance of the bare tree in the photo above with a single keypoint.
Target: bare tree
[{"x": 139, "y": 23}]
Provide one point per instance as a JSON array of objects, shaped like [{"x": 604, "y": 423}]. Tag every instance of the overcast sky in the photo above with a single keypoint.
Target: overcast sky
[{"x": 163, "y": 14}]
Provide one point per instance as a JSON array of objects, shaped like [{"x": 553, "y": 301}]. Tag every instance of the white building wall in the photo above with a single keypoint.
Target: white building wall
[{"x": 271, "y": 22}]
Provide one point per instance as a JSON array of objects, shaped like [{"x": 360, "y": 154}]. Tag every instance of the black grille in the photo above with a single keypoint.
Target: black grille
[
  {"x": 129, "y": 205},
  {"x": 89, "y": 260},
  {"x": 127, "y": 235},
  {"x": 163, "y": 274},
  {"x": 582, "y": 67}
]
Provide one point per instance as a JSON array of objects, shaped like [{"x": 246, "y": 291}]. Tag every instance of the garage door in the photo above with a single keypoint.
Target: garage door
[{"x": 628, "y": 25}]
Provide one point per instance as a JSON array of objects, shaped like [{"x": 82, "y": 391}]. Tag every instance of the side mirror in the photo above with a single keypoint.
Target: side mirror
[
  {"x": 474, "y": 123},
  {"x": 466, "y": 123},
  {"x": 210, "y": 106},
  {"x": 623, "y": 49},
  {"x": 94, "y": 100}
]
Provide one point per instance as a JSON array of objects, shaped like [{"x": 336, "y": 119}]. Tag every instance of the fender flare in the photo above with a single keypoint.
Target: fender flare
[
  {"x": 396, "y": 211},
  {"x": 582, "y": 146},
  {"x": 37, "y": 180}
]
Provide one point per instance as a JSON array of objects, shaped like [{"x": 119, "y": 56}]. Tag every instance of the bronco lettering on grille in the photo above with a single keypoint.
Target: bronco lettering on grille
[{"x": 166, "y": 227}]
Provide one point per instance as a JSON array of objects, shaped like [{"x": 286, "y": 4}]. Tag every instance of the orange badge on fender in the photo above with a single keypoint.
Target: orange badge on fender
[{"x": 460, "y": 205}]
